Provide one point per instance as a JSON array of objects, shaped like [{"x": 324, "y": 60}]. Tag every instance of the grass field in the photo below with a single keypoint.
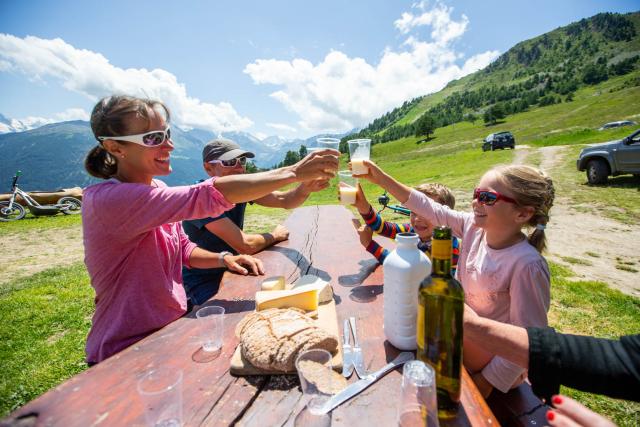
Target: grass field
[{"x": 44, "y": 318}]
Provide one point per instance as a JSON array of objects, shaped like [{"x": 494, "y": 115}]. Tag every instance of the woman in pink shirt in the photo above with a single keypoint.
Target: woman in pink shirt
[
  {"x": 134, "y": 243},
  {"x": 504, "y": 276}
]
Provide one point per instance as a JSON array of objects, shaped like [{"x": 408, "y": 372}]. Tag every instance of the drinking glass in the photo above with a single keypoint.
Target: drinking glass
[
  {"x": 211, "y": 320},
  {"x": 347, "y": 187},
  {"x": 161, "y": 393},
  {"x": 315, "y": 373},
  {"x": 418, "y": 405},
  {"x": 332, "y": 143},
  {"x": 359, "y": 150}
]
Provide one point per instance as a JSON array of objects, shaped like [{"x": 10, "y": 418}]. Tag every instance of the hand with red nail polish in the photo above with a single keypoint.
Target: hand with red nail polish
[{"x": 569, "y": 413}]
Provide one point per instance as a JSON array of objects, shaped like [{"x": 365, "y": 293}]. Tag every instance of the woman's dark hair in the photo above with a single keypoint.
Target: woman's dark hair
[{"x": 111, "y": 117}]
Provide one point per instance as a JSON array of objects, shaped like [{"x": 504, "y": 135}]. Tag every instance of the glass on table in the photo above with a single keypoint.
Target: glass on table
[
  {"x": 161, "y": 393},
  {"x": 211, "y": 321},
  {"x": 347, "y": 187},
  {"x": 315, "y": 373},
  {"x": 359, "y": 150},
  {"x": 418, "y": 406}
]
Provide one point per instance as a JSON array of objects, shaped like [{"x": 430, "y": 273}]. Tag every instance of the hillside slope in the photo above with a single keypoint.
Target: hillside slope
[{"x": 545, "y": 70}]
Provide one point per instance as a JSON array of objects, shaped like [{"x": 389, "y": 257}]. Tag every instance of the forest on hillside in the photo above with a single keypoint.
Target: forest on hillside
[{"x": 542, "y": 71}]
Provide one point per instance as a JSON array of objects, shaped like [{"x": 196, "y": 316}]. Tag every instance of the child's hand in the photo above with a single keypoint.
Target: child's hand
[
  {"x": 362, "y": 204},
  {"x": 374, "y": 174},
  {"x": 366, "y": 235}
]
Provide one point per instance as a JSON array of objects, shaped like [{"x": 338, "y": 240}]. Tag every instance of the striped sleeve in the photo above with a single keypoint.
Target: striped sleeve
[
  {"x": 455, "y": 254},
  {"x": 382, "y": 227},
  {"x": 377, "y": 251}
]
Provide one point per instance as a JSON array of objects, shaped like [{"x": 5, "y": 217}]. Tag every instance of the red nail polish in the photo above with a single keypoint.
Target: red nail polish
[
  {"x": 557, "y": 400},
  {"x": 550, "y": 415}
]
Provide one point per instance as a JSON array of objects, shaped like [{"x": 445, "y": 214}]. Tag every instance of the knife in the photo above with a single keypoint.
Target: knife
[
  {"x": 347, "y": 362},
  {"x": 358, "y": 386},
  {"x": 356, "y": 351}
]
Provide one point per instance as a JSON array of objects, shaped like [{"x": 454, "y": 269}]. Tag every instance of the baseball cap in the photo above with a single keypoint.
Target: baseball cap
[{"x": 223, "y": 149}]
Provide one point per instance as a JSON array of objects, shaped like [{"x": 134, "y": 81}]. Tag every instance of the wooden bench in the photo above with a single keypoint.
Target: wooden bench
[{"x": 322, "y": 242}]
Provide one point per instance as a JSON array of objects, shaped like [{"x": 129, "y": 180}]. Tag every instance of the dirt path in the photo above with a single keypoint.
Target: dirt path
[
  {"x": 37, "y": 250},
  {"x": 590, "y": 245}
]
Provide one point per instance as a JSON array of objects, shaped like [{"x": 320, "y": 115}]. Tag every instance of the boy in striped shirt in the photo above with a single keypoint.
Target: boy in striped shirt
[{"x": 418, "y": 225}]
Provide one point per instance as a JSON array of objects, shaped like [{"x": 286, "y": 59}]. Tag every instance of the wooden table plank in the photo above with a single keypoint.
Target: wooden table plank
[{"x": 322, "y": 242}]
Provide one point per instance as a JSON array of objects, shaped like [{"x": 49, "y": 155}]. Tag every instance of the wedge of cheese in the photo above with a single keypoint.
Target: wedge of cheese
[
  {"x": 304, "y": 299},
  {"x": 275, "y": 283},
  {"x": 310, "y": 281}
]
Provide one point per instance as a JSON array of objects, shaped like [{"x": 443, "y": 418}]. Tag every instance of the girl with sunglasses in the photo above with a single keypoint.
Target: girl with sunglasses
[
  {"x": 501, "y": 269},
  {"x": 134, "y": 243}
]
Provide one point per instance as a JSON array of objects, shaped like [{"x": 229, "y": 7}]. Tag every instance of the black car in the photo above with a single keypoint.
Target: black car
[{"x": 499, "y": 140}]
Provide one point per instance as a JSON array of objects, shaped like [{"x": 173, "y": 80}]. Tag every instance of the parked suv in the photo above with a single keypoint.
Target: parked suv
[
  {"x": 499, "y": 140},
  {"x": 611, "y": 158}
]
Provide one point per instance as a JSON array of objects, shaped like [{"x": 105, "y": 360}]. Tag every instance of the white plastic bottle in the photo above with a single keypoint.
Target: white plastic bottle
[{"x": 404, "y": 269}]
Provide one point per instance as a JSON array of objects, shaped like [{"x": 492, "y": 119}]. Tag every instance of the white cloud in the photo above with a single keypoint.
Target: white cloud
[
  {"x": 282, "y": 127},
  {"x": 340, "y": 92},
  {"x": 260, "y": 135},
  {"x": 444, "y": 29},
  {"x": 72, "y": 114},
  {"x": 4, "y": 65},
  {"x": 90, "y": 73}
]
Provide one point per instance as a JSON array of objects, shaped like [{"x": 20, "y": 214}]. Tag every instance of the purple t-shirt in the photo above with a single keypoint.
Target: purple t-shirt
[{"x": 134, "y": 252}]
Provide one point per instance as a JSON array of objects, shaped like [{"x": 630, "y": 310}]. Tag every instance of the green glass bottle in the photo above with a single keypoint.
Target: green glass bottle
[{"x": 439, "y": 329}]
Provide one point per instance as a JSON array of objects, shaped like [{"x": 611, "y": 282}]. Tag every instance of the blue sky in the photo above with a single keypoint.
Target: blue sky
[{"x": 290, "y": 68}]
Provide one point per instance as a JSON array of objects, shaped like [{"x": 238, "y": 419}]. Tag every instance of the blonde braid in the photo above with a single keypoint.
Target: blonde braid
[{"x": 530, "y": 187}]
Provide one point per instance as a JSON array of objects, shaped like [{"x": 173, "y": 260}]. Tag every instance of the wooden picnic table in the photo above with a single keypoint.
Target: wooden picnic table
[{"x": 323, "y": 242}]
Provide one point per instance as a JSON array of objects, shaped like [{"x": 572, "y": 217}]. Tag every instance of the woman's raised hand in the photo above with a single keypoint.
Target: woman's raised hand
[{"x": 320, "y": 164}]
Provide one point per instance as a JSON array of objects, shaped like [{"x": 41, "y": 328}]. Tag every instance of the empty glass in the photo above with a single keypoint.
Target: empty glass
[
  {"x": 161, "y": 393},
  {"x": 347, "y": 187},
  {"x": 359, "y": 150},
  {"x": 418, "y": 406},
  {"x": 332, "y": 143},
  {"x": 315, "y": 372},
  {"x": 211, "y": 320}
]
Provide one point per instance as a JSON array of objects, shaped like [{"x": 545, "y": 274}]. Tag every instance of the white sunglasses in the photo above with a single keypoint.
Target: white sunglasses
[{"x": 148, "y": 139}]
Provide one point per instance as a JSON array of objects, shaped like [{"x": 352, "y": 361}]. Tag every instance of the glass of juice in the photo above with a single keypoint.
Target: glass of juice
[
  {"x": 359, "y": 150},
  {"x": 347, "y": 187}
]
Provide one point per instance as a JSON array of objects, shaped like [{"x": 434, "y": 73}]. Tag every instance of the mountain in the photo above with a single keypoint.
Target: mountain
[
  {"x": 544, "y": 70},
  {"x": 52, "y": 156},
  {"x": 14, "y": 125}
]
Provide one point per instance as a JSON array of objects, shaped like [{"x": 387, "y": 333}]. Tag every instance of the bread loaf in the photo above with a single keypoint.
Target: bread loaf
[{"x": 272, "y": 339}]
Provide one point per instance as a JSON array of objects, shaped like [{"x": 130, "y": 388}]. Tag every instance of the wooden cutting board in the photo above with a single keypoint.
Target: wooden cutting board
[{"x": 327, "y": 320}]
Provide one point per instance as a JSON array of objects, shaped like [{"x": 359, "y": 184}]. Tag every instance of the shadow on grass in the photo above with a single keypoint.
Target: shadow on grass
[
  {"x": 499, "y": 122},
  {"x": 427, "y": 139},
  {"x": 623, "y": 181}
]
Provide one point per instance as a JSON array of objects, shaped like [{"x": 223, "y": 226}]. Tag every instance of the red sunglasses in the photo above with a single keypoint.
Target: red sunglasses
[{"x": 490, "y": 198}]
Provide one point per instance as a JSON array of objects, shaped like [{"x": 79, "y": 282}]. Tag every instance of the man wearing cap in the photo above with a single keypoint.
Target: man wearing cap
[{"x": 222, "y": 157}]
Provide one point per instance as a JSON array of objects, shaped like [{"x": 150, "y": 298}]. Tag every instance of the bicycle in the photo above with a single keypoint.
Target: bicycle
[{"x": 12, "y": 211}]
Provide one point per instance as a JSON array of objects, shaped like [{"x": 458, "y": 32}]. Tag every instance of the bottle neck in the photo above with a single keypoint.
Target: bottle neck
[
  {"x": 407, "y": 241},
  {"x": 441, "y": 257}
]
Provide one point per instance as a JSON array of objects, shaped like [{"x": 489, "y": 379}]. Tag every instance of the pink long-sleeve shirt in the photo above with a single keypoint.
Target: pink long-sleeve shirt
[
  {"x": 510, "y": 285},
  {"x": 134, "y": 252}
]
